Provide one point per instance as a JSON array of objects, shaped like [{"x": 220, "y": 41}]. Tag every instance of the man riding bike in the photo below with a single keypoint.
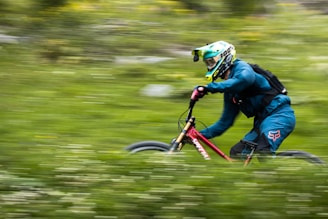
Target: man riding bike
[{"x": 244, "y": 91}]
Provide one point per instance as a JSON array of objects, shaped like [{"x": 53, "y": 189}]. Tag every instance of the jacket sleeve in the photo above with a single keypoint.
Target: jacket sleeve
[
  {"x": 240, "y": 80},
  {"x": 230, "y": 112}
]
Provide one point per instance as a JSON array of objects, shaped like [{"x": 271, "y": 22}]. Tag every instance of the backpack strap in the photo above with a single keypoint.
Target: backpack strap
[{"x": 269, "y": 95}]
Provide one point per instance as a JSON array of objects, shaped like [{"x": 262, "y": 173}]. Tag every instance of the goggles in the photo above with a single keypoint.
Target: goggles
[{"x": 211, "y": 62}]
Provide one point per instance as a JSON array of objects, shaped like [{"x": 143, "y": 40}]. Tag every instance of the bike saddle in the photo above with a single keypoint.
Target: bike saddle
[{"x": 249, "y": 143}]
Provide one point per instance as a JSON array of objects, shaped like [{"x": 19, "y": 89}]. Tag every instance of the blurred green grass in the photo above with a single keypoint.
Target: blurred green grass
[{"x": 68, "y": 110}]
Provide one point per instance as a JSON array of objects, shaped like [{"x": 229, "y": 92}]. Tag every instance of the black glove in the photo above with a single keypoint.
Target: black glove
[{"x": 198, "y": 93}]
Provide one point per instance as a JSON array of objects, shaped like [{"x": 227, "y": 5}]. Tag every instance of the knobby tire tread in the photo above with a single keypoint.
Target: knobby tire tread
[
  {"x": 148, "y": 146},
  {"x": 302, "y": 155}
]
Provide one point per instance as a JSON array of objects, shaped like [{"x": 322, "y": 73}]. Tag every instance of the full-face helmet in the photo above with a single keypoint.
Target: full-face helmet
[{"x": 217, "y": 56}]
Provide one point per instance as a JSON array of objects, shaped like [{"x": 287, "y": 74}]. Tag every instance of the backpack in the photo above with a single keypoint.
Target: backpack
[
  {"x": 269, "y": 95},
  {"x": 276, "y": 85}
]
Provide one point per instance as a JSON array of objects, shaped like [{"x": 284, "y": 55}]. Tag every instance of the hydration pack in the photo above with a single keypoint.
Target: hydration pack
[
  {"x": 276, "y": 85},
  {"x": 276, "y": 88}
]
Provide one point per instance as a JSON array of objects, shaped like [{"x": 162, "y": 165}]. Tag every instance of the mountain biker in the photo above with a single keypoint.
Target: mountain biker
[{"x": 244, "y": 91}]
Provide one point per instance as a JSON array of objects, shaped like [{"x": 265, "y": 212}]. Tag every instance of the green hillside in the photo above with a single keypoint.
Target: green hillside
[{"x": 73, "y": 94}]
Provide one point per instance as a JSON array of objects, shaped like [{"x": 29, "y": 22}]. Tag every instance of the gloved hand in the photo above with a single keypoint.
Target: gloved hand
[{"x": 198, "y": 93}]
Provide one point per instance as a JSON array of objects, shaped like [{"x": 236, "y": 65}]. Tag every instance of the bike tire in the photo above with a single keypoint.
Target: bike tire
[
  {"x": 302, "y": 155},
  {"x": 148, "y": 146}
]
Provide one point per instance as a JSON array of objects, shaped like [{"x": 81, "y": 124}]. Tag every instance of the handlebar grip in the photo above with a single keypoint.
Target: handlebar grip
[
  {"x": 198, "y": 92},
  {"x": 194, "y": 95}
]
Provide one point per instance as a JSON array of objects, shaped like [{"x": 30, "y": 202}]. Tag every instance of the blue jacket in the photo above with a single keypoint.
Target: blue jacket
[{"x": 242, "y": 79}]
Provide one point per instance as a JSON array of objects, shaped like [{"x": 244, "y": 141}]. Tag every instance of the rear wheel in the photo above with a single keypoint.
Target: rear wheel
[
  {"x": 148, "y": 146},
  {"x": 302, "y": 155}
]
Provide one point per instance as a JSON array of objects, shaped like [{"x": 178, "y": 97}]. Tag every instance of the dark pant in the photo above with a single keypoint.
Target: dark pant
[{"x": 241, "y": 149}]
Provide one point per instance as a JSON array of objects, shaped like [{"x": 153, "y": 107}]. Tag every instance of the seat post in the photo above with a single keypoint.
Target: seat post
[{"x": 252, "y": 146}]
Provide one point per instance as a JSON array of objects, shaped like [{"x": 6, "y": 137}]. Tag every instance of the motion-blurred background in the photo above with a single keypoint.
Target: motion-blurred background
[{"x": 82, "y": 79}]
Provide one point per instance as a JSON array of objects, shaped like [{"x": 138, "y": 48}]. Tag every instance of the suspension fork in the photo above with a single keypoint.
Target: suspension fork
[
  {"x": 189, "y": 130},
  {"x": 177, "y": 145}
]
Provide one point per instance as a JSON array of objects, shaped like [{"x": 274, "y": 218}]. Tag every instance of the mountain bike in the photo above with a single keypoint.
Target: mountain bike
[{"x": 191, "y": 136}]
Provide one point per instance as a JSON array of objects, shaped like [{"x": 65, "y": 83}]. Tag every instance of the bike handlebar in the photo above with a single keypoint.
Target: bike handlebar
[
  {"x": 197, "y": 93},
  {"x": 191, "y": 107}
]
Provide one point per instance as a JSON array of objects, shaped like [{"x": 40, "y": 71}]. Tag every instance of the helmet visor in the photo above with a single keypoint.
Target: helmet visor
[{"x": 211, "y": 62}]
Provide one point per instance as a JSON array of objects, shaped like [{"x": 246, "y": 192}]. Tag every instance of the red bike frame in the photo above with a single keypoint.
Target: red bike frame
[
  {"x": 193, "y": 136},
  {"x": 196, "y": 137}
]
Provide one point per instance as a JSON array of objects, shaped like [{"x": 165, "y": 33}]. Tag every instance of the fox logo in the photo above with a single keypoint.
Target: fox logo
[{"x": 274, "y": 135}]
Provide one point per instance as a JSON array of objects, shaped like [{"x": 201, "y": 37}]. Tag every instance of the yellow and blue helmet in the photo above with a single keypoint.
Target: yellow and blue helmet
[{"x": 217, "y": 56}]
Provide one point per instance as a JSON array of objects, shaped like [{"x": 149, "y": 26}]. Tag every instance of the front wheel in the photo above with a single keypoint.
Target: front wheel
[
  {"x": 148, "y": 146},
  {"x": 302, "y": 155}
]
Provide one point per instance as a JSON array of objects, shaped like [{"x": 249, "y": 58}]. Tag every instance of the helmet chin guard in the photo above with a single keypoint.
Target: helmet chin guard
[
  {"x": 223, "y": 68},
  {"x": 217, "y": 56}
]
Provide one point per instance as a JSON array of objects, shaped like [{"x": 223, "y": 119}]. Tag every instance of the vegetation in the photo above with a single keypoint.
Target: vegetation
[{"x": 71, "y": 100}]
